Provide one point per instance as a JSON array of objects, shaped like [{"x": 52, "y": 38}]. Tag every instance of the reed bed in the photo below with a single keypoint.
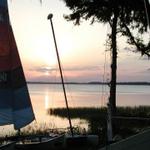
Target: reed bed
[
  {"x": 87, "y": 112},
  {"x": 129, "y": 120}
]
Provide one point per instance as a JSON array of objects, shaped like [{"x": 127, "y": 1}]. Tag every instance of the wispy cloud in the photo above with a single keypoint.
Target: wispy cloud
[
  {"x": 82, "y": 68},
  {"x": 43, "y": 69},
  {"x": 75, "y": 73},
  {"x": 74, "y": 68}
]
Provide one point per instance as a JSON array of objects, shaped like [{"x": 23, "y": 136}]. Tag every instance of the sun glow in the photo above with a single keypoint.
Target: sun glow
[
  {"x": 45, "y": 52},
  {"x": 47, "y": 71},
  {"x": 65, "y": 46}
]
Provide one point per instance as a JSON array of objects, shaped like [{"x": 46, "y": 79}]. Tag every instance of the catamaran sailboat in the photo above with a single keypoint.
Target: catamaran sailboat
[{"x": 15, "y": 104}]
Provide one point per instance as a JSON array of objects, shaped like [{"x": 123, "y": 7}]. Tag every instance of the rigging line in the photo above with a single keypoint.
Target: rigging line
[
  {"x": 104, "y": 74},
  {"x": 60, "y": 69},
  {"x": 107, "y": 78},
  {"x": 54, "y": 87},
  {"x": 72, "y": 100}
]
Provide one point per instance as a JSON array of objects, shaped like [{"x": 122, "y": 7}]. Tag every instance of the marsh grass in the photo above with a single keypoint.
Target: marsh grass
[
  {"x": 86, "y": 112},
  {"x": 79, "y": 112},
  {"x": 131, "y": 122},
  {"x": 96, "y": 119},
  {"x": 33, "y": 130},
  {"x": 140, "y": 111}
]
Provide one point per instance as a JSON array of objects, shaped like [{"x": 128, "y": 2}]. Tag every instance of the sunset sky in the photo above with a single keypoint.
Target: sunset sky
[{"x": 82, "y": 48}]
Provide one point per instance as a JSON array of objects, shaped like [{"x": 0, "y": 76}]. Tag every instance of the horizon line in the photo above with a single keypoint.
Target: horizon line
[{"x": 92, "y": 82}]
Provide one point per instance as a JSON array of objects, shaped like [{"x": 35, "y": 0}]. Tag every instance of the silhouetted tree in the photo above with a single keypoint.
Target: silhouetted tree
[{"x": 124, "y": 17}]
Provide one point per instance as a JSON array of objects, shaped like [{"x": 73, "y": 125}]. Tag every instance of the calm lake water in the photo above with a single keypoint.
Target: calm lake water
[{"x": 45, "y": 96}]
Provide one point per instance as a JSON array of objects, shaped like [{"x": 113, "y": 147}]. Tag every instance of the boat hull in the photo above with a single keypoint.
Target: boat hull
[
  {"x": 9, "y": 146},
  {"x": 79, "y": 141},
  {"x": 50, "y": 143}
]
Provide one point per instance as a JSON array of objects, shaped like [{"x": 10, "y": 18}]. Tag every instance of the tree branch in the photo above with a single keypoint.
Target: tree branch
[{"x": 145, "y": 50}]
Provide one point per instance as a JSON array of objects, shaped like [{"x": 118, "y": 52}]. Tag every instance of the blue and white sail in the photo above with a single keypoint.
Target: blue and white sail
[{"x": 15, "y": 104}]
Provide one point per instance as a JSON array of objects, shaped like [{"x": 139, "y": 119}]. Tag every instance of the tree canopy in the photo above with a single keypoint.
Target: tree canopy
[
  {"x": 131, "y": 16},
  {"x": 125, "y": 17}
]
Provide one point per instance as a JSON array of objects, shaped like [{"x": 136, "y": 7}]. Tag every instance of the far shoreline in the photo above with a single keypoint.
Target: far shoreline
[{"x": 91, "y": 83}]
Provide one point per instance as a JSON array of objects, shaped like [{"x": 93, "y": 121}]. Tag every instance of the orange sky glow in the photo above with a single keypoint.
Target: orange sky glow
[{"x": 82, "y": 48}]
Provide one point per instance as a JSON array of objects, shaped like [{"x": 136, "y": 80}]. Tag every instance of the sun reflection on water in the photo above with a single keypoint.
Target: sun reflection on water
[{"x": 47, "y": 103}]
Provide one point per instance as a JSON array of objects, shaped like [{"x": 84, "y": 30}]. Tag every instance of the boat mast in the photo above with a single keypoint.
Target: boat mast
[{"x": 61, "y": 74}]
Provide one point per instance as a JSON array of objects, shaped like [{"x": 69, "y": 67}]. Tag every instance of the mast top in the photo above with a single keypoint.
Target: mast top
[{"x": 50, "y": 16}]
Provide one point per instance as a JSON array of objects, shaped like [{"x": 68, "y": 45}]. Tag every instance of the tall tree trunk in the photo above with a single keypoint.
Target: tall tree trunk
[{"x": 112, "y": 99}]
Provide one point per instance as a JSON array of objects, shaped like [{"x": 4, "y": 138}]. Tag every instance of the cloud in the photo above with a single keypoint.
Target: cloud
[
  {"x": 74, "y": 68},
  {"x": 82, "y": 68},
  {"x": 42, "y": 69},
  {"x": 72, "y": 74},
  {"x": 81, "y": 77}
]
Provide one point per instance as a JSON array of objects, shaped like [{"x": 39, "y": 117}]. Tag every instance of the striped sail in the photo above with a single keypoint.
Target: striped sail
[{"x": 15, "y": 104}]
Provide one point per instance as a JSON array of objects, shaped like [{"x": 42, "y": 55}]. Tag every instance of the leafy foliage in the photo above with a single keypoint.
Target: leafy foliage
[{"x": 131, "y": 15}]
